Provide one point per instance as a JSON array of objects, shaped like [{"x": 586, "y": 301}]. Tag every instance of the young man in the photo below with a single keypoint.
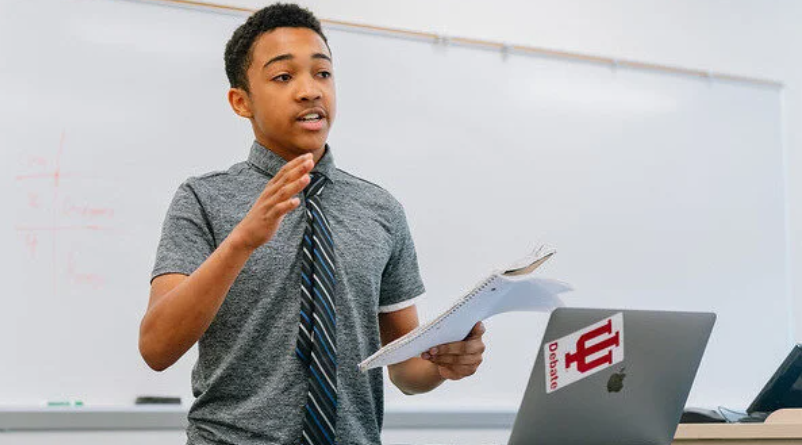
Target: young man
[{"x": 286, "y": 270}]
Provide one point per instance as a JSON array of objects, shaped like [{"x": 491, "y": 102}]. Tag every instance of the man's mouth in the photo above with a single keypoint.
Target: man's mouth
[
  {"x": 312, "y": 120},
  {"x": 311, "y": 117}
]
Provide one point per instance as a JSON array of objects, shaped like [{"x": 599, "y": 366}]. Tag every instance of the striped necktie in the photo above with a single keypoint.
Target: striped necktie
[{"x": 317, "y": 342}]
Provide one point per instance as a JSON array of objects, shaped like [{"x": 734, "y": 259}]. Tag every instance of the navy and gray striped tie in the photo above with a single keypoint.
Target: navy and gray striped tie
[{"x": 317, "y": 344}]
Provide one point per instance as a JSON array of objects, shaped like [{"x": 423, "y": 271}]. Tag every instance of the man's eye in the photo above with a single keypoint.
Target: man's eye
[
  {"x": 282, "y": 78},
  {"x": 324, "y": 74}
]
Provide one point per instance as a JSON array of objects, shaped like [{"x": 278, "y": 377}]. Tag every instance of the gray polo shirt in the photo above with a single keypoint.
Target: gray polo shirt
[{"x": 250, "y": 387}]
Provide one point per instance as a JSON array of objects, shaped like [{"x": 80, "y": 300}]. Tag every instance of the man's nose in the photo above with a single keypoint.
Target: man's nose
[{"x": 308, "y": 90}]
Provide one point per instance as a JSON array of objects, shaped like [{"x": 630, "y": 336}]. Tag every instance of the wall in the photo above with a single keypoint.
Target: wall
[{"x": 744, "y": 37}]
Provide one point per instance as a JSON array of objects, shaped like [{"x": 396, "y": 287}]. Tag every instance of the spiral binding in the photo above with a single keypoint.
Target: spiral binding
[{"x": 416, "y": 333}]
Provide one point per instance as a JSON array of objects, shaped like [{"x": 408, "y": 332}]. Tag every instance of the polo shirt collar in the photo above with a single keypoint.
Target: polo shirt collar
[{"x": 270, "y": 163}]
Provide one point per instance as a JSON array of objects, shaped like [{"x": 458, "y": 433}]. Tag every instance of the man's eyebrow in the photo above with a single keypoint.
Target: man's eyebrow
[
  {"x": 278, "y": 59},
  {"x": 290, "y": 57}
]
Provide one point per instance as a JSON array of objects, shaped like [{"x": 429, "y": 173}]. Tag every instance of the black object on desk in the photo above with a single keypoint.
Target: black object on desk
[
  {"x": 157, "y": 400},
  {"x": 701, "y": 415},
  {"x": 784, "y": 388}
]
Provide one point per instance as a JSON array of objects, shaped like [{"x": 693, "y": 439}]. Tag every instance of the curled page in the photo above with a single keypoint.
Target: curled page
[{"x": 512, "y": 290}]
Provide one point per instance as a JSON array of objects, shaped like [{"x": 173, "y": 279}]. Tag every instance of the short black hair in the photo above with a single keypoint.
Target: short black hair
[{"x": 278, "y": 15}]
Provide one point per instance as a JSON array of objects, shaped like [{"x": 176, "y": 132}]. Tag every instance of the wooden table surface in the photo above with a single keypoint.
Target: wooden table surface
[{"x": 784, "y": 427}]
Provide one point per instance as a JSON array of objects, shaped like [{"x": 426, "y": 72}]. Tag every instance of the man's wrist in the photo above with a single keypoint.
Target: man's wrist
[
  {"x": 238, "y": 243},
  {"x": 433, "y": 378},
  {"x": 416, "y": 376}
]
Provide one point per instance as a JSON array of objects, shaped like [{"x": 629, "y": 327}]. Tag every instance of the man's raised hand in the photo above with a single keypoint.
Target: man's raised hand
[{"x": 277, "y": 199}]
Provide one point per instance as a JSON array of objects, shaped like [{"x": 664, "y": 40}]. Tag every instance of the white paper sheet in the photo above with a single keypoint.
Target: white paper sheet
[{"x": 514, "y": 290}]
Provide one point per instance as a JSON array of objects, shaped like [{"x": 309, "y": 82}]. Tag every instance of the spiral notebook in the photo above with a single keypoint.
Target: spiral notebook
[{"x": 514, "y": 289}]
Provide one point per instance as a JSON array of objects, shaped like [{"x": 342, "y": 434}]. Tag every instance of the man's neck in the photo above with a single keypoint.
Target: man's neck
[{"x": 288, "y": 154}]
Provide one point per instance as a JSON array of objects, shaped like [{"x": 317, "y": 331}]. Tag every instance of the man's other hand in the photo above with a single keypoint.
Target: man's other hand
[{"x": 459, "y": 359}]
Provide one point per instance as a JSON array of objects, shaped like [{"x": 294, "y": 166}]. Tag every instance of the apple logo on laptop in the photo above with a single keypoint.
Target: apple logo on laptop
[{"x": 616, "y": 381}]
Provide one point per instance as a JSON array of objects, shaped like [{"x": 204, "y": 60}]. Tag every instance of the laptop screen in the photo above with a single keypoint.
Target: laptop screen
[{"x": 784, "y": 389}]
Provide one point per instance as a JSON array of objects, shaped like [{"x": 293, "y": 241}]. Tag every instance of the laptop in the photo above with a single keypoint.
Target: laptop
[
  {"x": 783, "y": 390},
  {"x": 605, "y": 376}
]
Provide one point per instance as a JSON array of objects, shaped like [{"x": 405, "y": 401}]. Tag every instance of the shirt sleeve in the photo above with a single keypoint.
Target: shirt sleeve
[
  {"x": 187, "y": 239},
  {"x": 401, "y": 284}
]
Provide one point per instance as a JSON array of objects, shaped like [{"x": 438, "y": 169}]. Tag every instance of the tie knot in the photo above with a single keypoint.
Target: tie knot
[{"x": 315, "y": 185}]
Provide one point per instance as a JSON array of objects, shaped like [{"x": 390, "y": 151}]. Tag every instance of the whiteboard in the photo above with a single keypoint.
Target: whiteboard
[{"x": 659, "y": 191}]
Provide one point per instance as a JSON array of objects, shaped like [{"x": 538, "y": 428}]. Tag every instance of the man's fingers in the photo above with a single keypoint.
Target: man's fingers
[
  {"x": 290, "y": 172},
  {"x": 299, "y": 170},
  {"x": 461, "y": 358},
  {"x": 289, "y": 190},
  {"x": 294, "y": 164},
  {"x": 282, "y": 208},
  {"x": 457, "y": 372},
  {"x": 477, "y": 331},
  {"x": 471, "y": 345},
  {"x": 466, "y": 359},
  {"x": 287, "y": 175},
  {"x": 459, "y": 347}
]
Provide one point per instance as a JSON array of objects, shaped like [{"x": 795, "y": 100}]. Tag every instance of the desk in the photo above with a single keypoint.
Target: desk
[
  {"x": 783, "y": 427},
  {"x": 738, "y": 434}
]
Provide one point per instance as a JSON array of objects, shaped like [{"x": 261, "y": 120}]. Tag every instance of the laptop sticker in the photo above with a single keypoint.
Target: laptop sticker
[{"x": 583, "y": 353}]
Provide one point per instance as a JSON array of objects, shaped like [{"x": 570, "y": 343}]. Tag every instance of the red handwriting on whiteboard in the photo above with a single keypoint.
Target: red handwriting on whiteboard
[
  {"x": 70, "y": 209},
  {"x": 58, "y": 215},
  {"x": 33, "y": 200},
  {"x": 31, "y": 242},
  {"x": 86, "y": 279}
]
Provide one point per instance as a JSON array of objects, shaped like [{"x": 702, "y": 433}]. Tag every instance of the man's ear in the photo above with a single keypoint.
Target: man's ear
[{"x": 240, "y": 102}]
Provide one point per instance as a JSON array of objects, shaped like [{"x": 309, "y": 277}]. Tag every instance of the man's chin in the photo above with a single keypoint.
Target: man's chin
[{"x": 311, "y": 145}]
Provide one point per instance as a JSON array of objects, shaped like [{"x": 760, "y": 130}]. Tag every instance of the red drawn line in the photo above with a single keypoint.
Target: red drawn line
[
  {"x": 58, "y": 157},
  {"x": 54, "y": 223},
  {"x": 59, "y": 228}
]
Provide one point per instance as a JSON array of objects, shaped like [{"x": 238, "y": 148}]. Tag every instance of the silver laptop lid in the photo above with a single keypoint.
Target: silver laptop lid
[{"x": 606, "y": 376}]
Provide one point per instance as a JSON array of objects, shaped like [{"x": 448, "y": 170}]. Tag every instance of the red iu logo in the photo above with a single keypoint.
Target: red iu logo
[{"x": 583, "y": 351}]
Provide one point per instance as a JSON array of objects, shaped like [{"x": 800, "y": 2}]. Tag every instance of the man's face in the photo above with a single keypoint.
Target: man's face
[{"x": 292, "y": 100}]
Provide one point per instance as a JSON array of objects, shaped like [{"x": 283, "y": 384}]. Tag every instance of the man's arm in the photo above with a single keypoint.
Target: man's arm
[
  {"x": 451, "y": 361},
  {"x": 182, "y": 307}
]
